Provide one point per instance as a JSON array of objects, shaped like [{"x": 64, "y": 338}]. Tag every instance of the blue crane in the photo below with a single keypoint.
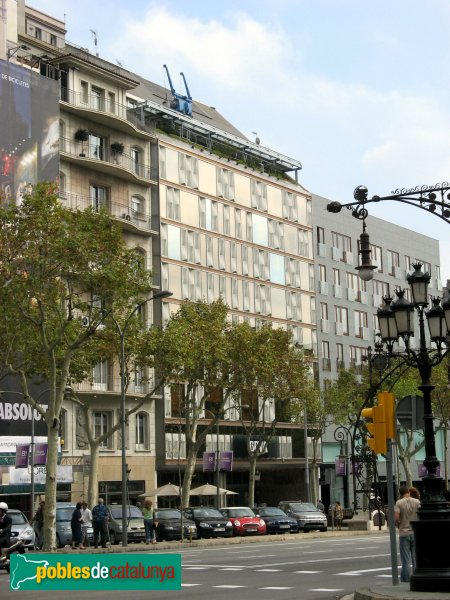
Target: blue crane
[{"x": 179, "y": 102}]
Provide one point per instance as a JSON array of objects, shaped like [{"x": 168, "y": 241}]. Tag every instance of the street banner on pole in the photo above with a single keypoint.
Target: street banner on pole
[
  {"x": 209, "y": 461},
  {"x": 22, "y": 454}
]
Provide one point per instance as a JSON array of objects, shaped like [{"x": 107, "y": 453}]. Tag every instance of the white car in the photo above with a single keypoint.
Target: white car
[{"x": 21, "y": 528}]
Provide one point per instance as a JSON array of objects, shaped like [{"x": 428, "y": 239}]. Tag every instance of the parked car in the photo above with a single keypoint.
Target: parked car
[
  {"x": 64, "y": 512},
  {"x": 210, "y": 522},
  {"x": 20, "y": 528},
  {"x": 306, "y": 514},
  {"x": 244, "y": 521},
  {"x": 135, "y": 524},
  {"x": 169, "y": 525},
  {"x": 276, "y": 520}
]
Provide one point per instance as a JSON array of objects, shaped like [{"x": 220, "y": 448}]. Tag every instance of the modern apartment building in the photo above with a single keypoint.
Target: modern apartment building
[{"x": 347, "y": 306}]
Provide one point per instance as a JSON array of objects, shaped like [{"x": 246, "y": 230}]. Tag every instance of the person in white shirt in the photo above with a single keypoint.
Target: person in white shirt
[
  {"x": 86, "y": 515},
  {"x": 405, "y": 512}
]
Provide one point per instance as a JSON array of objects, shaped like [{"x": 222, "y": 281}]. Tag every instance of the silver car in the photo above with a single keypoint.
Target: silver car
[
  {"x": 20, "y": 528},
  {"x": 306, "y": 514},
  {"x": 64, "y": 512}
]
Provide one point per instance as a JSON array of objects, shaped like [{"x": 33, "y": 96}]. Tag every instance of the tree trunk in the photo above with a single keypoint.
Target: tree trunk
[
  {"x": 251, "y": 480},
  {"x": 50, "y": 489},
  {"x": 405, "y": 460},
  {"x": 313, "y": 481},
  {"x": 92, "y": 495},
  {"x": 188, "y": 473}
]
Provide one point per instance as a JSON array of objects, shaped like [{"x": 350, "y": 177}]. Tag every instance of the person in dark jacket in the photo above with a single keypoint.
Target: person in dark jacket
[
  {"x": 5, "y": 526},
  {"x": 100, "y": 518},
  {"x": 75, "y": 524}
]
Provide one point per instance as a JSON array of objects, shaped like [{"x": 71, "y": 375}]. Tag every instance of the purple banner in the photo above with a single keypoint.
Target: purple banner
[
  {"x": 226, "y": 461},
  {"x": 341, "y": 466},
  {"x": 209, "y": 461},
  {"x": 423, "y": 471},
  {"x": 40, "y": 454},
  {"x": 22, "y": 454}
]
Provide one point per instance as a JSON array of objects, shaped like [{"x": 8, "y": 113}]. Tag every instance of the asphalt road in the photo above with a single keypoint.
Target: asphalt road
[{"x": 304, "y": 569}]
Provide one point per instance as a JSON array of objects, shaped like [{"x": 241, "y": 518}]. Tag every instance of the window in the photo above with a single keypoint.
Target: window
[
  {"x": 376, "y": 257},
  {"x": 380, "y": 288},
  {"x": 259, "y": 229},
  {"x": 102, "y": 424},
  {"x": 308, "y": 211},
  {"x": 234, "y": 293},
  {"x": 97, "y": 98},
  {"x": 238, "y": 223},
  {"x": 96, "y": 147},
  {"x": 226, "y": 220},
  {"x": 162, "y": 158},
  {"x": 361, "y": 324},
  {"x": 336, "y": 277},
  {"x": 225, "y": 183},
  {"x": 324, "y": 310},
  {"x": 191, "y": 284},
  {"x": 84, "y": 92},
  {"x": 292, "y": 272},
  {"x": 137, "y": 206},
  {"x": 190, "y": 246},
  {"x": 341, "y": 246},
  {"x": 312, "y": 307},
  {"x": 208, "y": 210},
  {"x": 341, "y": 320},
  {"x": 246, "y": 295},
  {"x": 325, "y": 350},
  {"x": 209, "y": 287},
  {"x": 258, "y": 195},
  {"x": 276, "y": 232},
  {"x": 322, "y": 273},
  {"x": 188, "y": 170},
  {"x": 263, "y": 302},
  {"x": 52, "y": 39},
  {"x": 393, "y": 262},
  {"x": 408, "y": 265},
  {"x": 99, "y": 197},
  {"x": 142, "y": 435},
  {"x": 277, "y": 270},
  {"x": 136, "y": 162},
  {"x": 340, "y": 356},
  {"x": 38, "y": 33},
  {"x": 165, "y": 276},
  {"x": 320, "y": 235},
  {"x": 356, "y": 357},
  {"x": 311, "y": 277},
  {"x": 62, "y": 185},
  {"x": 173, "y": 204},
  {"x": 355, "y": 285},
  {"x": 304, "y": 242},
  {"x": 100, "y": 375},
  {"x": 437, "y": 271},
  {"x": 289, "y": 206}
]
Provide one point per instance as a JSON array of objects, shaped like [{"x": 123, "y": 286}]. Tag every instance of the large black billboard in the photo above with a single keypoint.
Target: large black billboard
[
  {"x": 16, "y": 414},
  {"x": 29, "y": 130}
]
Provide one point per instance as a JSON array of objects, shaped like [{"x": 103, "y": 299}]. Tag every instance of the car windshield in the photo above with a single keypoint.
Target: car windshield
[
  {"x": 241, "y": 512},
  {"x": 271, "y": 512},
  {"x": 132, "y": 512},
  {"x": 168, "y": 514},
  {"x": 64, "y": 514},
  {"x": 17, "y": 518},
  {"x": 203, "y": 513},
  {"x": 303, "y": 507}
]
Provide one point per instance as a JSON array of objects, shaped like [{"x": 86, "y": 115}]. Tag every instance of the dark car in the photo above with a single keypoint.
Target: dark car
[
  {"x": 169, "y": 525},
  {"x": 276, "y": 520},
  {"x": 306, "y": 514},
  {"x": 210, "y": 522},
  {"x": 244, "y": 521}
]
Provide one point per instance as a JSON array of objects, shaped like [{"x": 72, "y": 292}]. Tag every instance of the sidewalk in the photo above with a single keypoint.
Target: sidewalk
[{"x": 387, "y": 591}]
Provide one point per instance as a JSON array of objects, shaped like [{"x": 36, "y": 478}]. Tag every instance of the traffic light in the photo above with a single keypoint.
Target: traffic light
[
  {"x": 377, "y": 428},
  {"x": 387, "y": 400}
]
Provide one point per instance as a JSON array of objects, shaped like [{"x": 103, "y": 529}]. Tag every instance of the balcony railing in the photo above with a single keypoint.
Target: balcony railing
[
  {"x": 139, "y": 219},
  {"x": 112, "y": 386},
  {"x": 108, "y": 106},
  {"x": 103, "y": 154}
]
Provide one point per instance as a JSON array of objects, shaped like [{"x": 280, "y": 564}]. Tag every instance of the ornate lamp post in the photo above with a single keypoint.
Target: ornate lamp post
[{"x": 432, "y": 528}]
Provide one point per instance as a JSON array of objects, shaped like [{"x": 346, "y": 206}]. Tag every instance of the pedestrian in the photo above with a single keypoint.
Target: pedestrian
[
  {"x": 148, "y": 513},
  {"x": 75, "y": 525},
  {"x": 338, "y": 515},
  {"x": 414, "y": 493},
  {"x": 5, "y": 526},
  {"x": 38, "y": 525},
  {"x": 100, "y": 518},
  {"x": 405, "y": 512},
  {"x": 86, "y": 515},
  {"x": 320, "y": 506}
]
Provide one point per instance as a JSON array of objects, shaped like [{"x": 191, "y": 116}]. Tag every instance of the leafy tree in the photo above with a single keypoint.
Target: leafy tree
[
  {"x": 55, "y": 265},
  {"x": 441, "y": 403}
]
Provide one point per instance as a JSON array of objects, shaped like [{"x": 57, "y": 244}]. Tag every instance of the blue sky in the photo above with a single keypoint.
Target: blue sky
[{"x": 358, "y": 91}]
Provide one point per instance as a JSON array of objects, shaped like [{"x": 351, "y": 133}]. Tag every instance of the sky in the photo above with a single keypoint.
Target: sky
[{"x": 358, "y": 91}]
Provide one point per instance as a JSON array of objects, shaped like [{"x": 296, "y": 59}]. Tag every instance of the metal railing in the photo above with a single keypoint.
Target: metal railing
[{"x": 140, "y": 219}]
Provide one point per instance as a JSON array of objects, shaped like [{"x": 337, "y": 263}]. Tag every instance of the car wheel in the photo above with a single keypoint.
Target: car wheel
[{"x": 112, "y": 538}]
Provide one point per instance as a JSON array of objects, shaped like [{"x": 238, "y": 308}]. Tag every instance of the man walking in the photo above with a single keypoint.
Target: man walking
[
  {"x": 100, "y": 517},
  {"x": 86, "y": 515},
  {"x": 405, "y": 512}
]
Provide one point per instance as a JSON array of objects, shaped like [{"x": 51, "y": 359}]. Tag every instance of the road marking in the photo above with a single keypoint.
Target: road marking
[
  {"x": 318, "y": 551},
  {"x": 195, "y": 568},
  {"x": 361, "y": 571},
  {"x": 232, "y": 569},
  {"x": 276, "y": 588},
  {"x": 190, "y": 584},
  {"x": 232, "y": 587},
  {"x": 307, "y": 572},
  {"x": 268, "y": 570},
  {"x": 326, "y": 590}
]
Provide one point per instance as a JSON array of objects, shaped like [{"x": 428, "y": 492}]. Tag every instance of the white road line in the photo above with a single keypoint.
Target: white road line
[
  {"x": 317, "y": 551},
  {"x": 190, "y": 584},
  {"x": 326, "y": 590},
  {"x": 276, "y": 588},
  {"x": 307, "y": 572},
  {"x": 232, "y": 569},
  {"x": 231, "y": 587},
  {"x": 361, "y": 571},
  {"x": 202, "y": 568},
  {"x": 268, "y": 570}
]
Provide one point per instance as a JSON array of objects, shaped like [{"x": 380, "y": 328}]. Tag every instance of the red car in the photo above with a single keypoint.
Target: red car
[{"x": 244, "y": 521}]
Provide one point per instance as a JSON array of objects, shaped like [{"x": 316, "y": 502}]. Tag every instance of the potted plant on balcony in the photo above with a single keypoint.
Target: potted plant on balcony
[
  {"x": 82, "y": 135},
  {"x": 116, "y": 150}
]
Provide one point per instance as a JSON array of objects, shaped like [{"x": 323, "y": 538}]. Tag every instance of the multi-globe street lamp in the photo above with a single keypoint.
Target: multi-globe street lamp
[
  {"x": 122, "y": 330},
  {"x": 432, "y": 528}
]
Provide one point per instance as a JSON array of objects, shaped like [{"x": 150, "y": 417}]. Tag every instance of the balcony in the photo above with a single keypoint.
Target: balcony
[
  {"x": 102, "y": 159},
  {"x": 112, "y": 386},
  {"x": 131, "y": 220},
  {"x": 130, "y": 120}
]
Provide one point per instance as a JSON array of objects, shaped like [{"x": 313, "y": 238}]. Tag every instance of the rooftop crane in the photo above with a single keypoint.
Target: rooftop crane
[{"x": 179, "y": 102}]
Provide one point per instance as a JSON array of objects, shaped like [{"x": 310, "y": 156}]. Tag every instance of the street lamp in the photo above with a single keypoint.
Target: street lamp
[
  {"x": 432, "y": 529},
  {"x": 123, "y": 415}
]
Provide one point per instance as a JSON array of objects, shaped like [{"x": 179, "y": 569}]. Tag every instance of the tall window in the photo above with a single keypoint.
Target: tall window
[
  {"x": 258, "y": 194},
  {"x": 208, "y": 210},
  {"x": 225, "y": 183},
  {"x": 100, "y": 375},
  {"x": 341, "y": 319},
  {"x": 188, "y": 170},
  {"x": 102, "y": 423},
  {"x": 325, "y": 349},
  {"x": 99, "y": 197},
  {"x": 142, "y": 436},
  {"x": 361, "y": 324},
  {"x": 289, "y": 206},
  {"x": 97, "y": 98},
  {"x": 137, "y": 206},
  {"x": 376, "y": 256},
  {"x": 393, "y": 262},
  {"x": 136, "y": 161},
  {"x": 173, "y": 204},
  {"x": 96, "y": 146}
]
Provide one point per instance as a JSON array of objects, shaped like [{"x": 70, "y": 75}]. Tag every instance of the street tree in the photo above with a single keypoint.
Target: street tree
[{"x": 56, "y": 267}]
